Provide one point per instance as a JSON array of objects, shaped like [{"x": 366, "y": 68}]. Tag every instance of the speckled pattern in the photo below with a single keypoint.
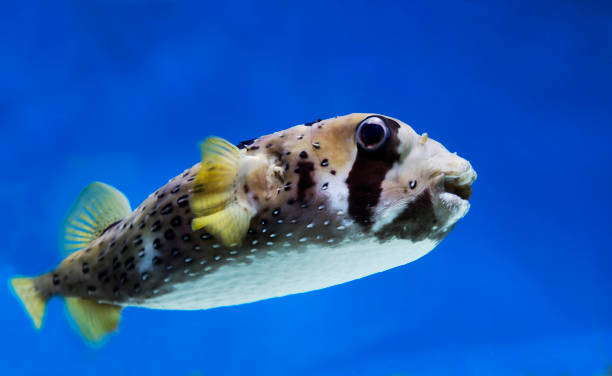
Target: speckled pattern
[{"x": 329, "y": 191}]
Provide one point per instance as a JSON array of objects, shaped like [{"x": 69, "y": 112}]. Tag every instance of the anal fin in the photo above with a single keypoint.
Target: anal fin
[{"x": 94, "y": 320}]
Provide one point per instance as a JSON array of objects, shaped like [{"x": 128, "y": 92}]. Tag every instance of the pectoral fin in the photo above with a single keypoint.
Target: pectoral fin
[{"x": 214, "y": 200}]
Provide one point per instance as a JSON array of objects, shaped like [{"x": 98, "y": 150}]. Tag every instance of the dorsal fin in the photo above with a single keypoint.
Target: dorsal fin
[
  {"x": 214, "y": 200},
  {"x": 98, "y": 206}
]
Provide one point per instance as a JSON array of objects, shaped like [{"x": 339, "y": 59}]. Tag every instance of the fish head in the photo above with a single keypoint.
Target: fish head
[
  {"x": 427, "y": 189},
  {"x": 374, "y": 171}
]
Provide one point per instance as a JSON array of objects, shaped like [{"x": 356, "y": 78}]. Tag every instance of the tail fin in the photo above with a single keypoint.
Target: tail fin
[
  {"x": 95, "y": 320},
  {"x": 33, "y": 301}
]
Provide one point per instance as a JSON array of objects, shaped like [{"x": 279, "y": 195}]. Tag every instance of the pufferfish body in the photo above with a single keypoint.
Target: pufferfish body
[{"x": 313, "y": 206}]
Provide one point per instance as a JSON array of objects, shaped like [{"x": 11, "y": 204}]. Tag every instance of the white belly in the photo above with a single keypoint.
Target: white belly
[{"x": 289, "y": 272}]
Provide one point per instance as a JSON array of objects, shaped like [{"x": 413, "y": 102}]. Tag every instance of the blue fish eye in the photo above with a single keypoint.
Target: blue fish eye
[{"x": 372, "y": 133}]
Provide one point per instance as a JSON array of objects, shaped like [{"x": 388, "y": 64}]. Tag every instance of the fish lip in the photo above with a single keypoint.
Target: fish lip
[{"x": 455, "y": 183}]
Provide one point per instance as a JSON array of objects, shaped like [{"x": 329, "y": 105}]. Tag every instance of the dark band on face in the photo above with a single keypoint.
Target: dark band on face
[
  {"x": 365, "y": 179},
  {"x": 415, "y": 222}
]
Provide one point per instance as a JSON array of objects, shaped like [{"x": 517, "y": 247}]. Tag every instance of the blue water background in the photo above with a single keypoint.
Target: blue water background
[{"x": 122, "y": 91}]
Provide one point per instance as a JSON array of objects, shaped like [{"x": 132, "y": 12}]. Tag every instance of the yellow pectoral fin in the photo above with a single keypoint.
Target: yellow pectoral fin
[
  {"x": 214, "y": 194},
  {"x": 228, "y": 225}
]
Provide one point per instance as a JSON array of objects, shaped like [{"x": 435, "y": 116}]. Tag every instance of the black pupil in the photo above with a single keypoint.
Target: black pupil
[{"x": 372, "y": 134}]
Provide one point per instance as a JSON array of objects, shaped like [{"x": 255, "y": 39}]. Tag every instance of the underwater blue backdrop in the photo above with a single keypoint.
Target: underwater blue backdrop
[{"x": 122, "y": 91}]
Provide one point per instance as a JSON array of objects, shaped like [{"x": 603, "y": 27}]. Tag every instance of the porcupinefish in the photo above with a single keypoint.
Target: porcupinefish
[{"x": 313, "y": 206}]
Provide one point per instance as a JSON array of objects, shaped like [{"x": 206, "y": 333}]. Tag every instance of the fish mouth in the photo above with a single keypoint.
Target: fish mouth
[
  {"x": 459, "y": 184},
  {"x": 454, "y": 189}
]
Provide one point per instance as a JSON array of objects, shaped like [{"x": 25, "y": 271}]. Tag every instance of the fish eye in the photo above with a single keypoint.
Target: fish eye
[{"x": 372, "y": 133}]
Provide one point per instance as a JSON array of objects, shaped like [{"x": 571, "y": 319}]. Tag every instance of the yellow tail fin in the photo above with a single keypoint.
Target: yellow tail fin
[
  {"x": 94, "y": 319},
  {"x": 33, "y": 301}
]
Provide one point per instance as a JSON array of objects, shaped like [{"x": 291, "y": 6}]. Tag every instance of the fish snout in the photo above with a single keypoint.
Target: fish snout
[{"x": 454, "y": 176}]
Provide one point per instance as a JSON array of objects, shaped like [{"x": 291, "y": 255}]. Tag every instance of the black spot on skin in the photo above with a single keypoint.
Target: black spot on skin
[
  {"x": 246, "y": 188},
  {"x": 333, "y": 172},
  {"x": 414, "y": 222},
  {"x": 137, "y": 288},
  {"x": 169, "y": 234},
  {"x": 156, "y": 243},
  {"x": 309, "y": 124},
  {"x": 156, "y": 226},
  {"x": 303, "y": 154},
  {"x": 413, "y": 184},
  {"x": 175, "y": 189},
  {"x": 247, "y": 142},
  {"x": 102, "y": 275},
  {"x": 305, "y": 181},
  {"x": 137, "y": 240},
  {"x": 316, "y": 145},
  {"x": 325, "y": 162},
  {"x": 324, "y": 186},
  {"x": 287, "y": 186},
  {"x": 156, "y": 260},
  {"x": 176, "y": 221},
  {"x": 367, "y": 174},
  {"x": 254, "y": 148},
  {"x": 183, "y": 201},
  {"x": 85, "y": 268},
  {"x": 129, "y": 263},
  {"x": 167, "y": 209},
  {"x": 291, "y": 201},
  {"x": 91, "y": 289},
  {"x": 276, "y": 212},
  {"x": 269, "y": 146},
  {"x": 141, "y": 253},
  {"x": 186, "y": 238},
  {"x": 56, "y": 279}
]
